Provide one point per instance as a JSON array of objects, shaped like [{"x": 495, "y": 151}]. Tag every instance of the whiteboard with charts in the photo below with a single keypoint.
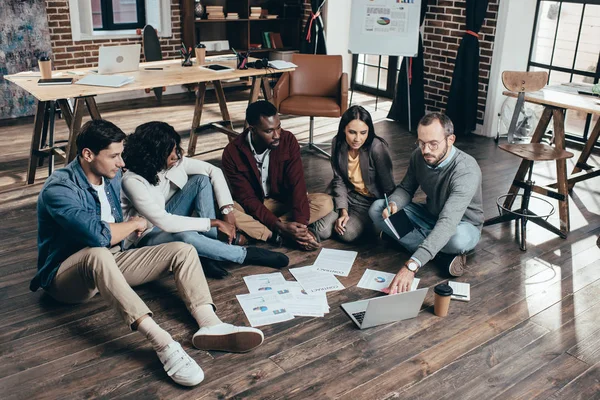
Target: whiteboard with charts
[{"x": 385, "y": 27}]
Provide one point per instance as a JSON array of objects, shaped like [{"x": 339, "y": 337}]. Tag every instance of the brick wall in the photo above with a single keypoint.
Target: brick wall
[
  {"x": 69, "y": 54},
  {"x": 444, "y": 27}
]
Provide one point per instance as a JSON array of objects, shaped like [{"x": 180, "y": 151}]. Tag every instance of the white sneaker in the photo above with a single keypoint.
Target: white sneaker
[
  {"x": 180, "y": 366},
  {"x": 226, "y": 337}
]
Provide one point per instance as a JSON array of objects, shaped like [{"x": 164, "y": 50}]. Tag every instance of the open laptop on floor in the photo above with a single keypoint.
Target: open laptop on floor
[
  {"x": 114, "y": 59},
  {"x": 385, "y": 309}
]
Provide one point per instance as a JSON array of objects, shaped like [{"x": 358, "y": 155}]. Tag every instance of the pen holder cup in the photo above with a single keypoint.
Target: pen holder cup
[
  {"x": 187, "y": 62},
  {"x": 242, "y": 61}
]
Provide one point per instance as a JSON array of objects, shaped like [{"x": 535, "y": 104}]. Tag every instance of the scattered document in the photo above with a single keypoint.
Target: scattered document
[
  {"x": 263, "y": 309},
  {"x": 460, "y": 291},
  {"x": 105, "y": 80},
  {"x": 314, "y": 281},
  {"x": 281, "y": 64},
  {"x": 301, "y": 304},
  {"x": 264, "y": 282},
  {"x": 337, "y": 262},
  {"x": 377, "y": 280}
]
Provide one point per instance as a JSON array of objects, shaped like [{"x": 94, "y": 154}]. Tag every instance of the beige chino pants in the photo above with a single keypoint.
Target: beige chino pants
[
  {"x": 96, "y": 269},
  {"x": 320, "y": 205}
]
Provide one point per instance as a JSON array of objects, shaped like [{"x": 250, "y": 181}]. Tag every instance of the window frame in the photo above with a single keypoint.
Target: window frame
[
  {"x": 158, "y": 14},
  {"x": 572, "y": 71},
  {"x": 393, "y": 68},
  {"x": 108, "y": 23}
]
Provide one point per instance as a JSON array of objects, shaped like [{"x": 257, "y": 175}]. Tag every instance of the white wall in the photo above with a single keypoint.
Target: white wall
[
  {"x": 336, "y": 18},
  {"x": 511, "y": 52}
]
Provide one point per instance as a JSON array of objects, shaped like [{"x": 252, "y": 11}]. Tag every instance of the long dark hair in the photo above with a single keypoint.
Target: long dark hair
[
  {"x": 148, "y": 148},
  {"x": 352, "y": 113}
]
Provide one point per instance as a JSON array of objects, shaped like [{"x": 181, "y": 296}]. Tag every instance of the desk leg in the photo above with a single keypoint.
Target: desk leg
[
  {"x": 36, "y": 139},
  {"x": 254, "y": 91},
  {"x": 90, "y": 102},
  {"x": 536, "y": 138},
  {"x": 587, "y": 150},
  {"x": 196, "y": 120},
  {"x": 67, "y": 113},
  {"x": 222, "y": 103},
  {"x": 266, "y": 89},
  {"x": 44, "y": 139},
  {"x": 561, "y": 170},
  {"x": 74, "y": 129}
]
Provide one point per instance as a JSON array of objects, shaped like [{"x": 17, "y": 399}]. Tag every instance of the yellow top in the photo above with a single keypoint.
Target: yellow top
[{"x": 355, "y": 176}]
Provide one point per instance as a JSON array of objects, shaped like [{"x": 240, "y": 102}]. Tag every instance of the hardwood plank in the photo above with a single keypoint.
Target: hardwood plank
[
  {"x": 585, "y": 387},
  {"x": 546, "y": 380}
]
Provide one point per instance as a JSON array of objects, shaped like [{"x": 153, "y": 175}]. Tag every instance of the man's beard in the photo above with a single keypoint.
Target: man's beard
[{"x": 437, "y": 160}]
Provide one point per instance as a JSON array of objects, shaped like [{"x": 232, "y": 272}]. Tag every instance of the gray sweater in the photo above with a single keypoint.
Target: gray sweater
[{"x": 453, "y": 195}]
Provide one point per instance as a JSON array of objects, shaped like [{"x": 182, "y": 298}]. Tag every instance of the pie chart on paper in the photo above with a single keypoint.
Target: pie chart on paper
[{"x": 383, "y": 21}]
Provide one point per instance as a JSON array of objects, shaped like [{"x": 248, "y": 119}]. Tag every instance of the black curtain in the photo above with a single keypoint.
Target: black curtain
[
  {"x": 412, "y": 88},
  {"x": 462, "y": 99},
  {"x": 313, "y": 31}
]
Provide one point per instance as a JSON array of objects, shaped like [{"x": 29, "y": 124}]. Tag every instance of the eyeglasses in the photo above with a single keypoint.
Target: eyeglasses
[{"x": 433, "y": 145}]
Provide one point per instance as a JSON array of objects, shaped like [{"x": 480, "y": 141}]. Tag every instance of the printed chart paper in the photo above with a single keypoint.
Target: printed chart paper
[
  {"x": 377, "y": 280},
  {"x": 314, "y": 281},
  {"x": 300, "y": 303},
  {"x": 337, "y": 262},
  {"x": 264, "y": 282},
  {"x": 263, "y": 309}
]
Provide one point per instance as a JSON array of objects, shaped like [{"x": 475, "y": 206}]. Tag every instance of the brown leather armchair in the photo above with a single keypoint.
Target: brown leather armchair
[{"x": 317, "y": 88}]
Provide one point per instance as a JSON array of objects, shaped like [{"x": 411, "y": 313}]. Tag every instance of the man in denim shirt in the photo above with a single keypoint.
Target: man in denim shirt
[{"x": 80, "y": 234}]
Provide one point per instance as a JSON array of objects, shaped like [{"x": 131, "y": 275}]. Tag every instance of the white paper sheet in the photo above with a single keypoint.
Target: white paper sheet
[
  {"x": 392, "y": 228},
  {"x": 377, "y": 280},
  {"x": 337, "y": 262},
  {"x": 263, "y": 309},
  {"x": 264, "y": 283},
  {"x": 314, "y": 281},
  {"x": 299, "y": 302}
]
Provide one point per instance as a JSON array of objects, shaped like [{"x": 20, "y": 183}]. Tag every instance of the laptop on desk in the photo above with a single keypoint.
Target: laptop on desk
[
  {"x": 115, "y": 59},
  {"x": 385, "y": 309}
]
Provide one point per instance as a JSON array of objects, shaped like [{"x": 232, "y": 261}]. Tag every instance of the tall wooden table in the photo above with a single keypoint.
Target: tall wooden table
[
  {"x": 556, "y": 101},
  {"x": 171, "y": 74}
]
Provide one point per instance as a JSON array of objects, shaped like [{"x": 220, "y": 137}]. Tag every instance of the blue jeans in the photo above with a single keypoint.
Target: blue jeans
[
  {"x": 196, "y": 195},
  {"x": 466, "y": 237}
]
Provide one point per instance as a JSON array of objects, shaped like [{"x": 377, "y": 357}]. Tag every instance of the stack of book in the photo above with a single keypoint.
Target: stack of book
[
  {"x": 272, "y": 40},
  {"x": 232, "y": 16},
  {"x": 215, "y": 12},
  {"x": 255, "y": 12}
]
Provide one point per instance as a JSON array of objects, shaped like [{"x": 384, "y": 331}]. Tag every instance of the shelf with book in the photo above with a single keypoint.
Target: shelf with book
[{"x": 245, "y": 31}]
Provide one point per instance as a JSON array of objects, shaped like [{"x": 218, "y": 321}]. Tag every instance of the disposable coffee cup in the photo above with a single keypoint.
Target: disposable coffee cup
[
  {"x": 45, "y": 67},
  {"x": 441, "y": 301},
  {"x": 200, "y": 55}
]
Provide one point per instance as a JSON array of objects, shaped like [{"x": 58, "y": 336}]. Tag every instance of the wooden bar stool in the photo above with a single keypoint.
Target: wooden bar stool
[{"x": 523, "y": 82}]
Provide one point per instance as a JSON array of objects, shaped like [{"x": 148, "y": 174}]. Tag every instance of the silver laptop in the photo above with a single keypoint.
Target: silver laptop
[
  {"x": 114, "y": 59},
  {"x": 385, "y": 309}
]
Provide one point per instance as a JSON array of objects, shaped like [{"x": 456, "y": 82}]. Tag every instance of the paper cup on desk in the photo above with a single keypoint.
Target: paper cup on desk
[
  {"x": 200, "y": 55},
  {"x": 45, "y": 67}
]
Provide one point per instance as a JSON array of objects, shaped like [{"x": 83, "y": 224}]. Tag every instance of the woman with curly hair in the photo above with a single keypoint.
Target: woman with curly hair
[
  {"x": 362, "y": 173},
  {"x": 167, "y": 188}
]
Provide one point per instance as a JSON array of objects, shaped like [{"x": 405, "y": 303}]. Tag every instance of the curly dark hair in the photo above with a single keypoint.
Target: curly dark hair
[{"x": 148, "y": 148}]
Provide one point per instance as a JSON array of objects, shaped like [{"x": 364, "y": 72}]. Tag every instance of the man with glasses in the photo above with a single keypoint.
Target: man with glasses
[{"x": 449, "y": 223}]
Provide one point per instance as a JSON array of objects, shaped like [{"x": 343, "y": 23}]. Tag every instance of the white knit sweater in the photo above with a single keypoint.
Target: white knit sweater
[{"x": 139, "y": 197}]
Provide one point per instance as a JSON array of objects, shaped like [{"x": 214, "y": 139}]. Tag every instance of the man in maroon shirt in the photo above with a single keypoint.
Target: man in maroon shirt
[{"x": 264, "y": 170}]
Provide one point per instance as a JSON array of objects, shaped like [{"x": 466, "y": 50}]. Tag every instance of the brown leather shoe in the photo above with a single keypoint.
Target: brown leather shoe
[{"x": 458, "y": 265}]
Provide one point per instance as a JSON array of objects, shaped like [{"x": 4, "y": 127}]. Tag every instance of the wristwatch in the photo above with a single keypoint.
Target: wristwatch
[
  {"x": 412, "y": 266},
  {"x": 227, "y": 209}
]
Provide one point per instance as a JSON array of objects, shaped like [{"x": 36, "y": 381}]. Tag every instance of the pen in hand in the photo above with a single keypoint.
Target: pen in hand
[{"x": 387, "y": 205}]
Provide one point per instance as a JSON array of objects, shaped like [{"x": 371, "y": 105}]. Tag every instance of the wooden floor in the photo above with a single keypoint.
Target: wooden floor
[{"x": 531, "y": 330}]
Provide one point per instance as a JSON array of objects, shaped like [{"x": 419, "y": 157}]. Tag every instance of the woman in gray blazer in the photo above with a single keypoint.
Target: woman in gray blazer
[{"x": 362, "y": 173}]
